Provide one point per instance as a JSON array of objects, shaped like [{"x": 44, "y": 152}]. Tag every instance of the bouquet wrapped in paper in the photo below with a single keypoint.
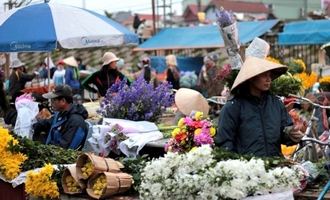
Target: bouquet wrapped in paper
[{"x": 229, "y": 32}]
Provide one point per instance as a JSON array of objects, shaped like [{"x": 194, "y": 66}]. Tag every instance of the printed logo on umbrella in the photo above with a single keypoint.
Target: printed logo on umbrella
[
  {"x": 89, "y": 41},
  {"x": 18, "y": 46}
]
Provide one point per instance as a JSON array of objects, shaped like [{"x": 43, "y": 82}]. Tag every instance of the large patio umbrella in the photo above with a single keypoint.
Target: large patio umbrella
[
  {"x": 47, "y": 26},
  {"x": 44, "y": 27}
]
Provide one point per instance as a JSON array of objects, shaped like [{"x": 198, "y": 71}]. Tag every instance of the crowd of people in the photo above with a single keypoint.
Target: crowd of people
[{"x": 253, "y": 121}]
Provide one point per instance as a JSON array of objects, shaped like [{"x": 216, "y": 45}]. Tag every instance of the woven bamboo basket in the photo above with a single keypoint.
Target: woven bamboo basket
[
  {"x": 72, "y": 171},
  {"x": 115, "y": 183},
  {"x": 99, "y": 164}
]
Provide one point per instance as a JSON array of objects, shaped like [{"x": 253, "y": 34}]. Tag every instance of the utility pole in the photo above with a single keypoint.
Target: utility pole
[
  {"x": 199, "y": 6},
  {"x": 153, "y": 16},
  {"x": 164, "y": 6}
]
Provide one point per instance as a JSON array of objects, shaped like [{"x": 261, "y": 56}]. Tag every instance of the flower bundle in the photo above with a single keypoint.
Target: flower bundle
[
  {"x": 227, "y": 74},
  {"x": 325, "y": 83},
  {"x": 139, "y": 101},
  {"x": 229, "y": 31},
  {"x": 11, "y": 160},
  {"x": 191, "y": 132},
  {"x": 197, "y": 175},
  {"x": 296, "y": 66},
  {"x": 286, "y": 84},
  {"x": 308, "y": 80},
  {"x": 40, "y": 184}
]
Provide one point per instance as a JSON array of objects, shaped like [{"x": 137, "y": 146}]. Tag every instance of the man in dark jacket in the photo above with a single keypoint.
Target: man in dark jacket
[
  {"x": 254, "y": 121},
  {"x": 67, "y": 127}
]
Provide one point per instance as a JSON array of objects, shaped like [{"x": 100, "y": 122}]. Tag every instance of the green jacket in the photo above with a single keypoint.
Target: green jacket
[{"x": 250, "y": 125}]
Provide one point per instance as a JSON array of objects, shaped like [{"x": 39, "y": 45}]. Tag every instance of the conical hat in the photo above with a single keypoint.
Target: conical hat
[
  {"x": 254, "y": 66},
  {"x": 188, "y": 100},
  {"x": 71, "y": 61}
]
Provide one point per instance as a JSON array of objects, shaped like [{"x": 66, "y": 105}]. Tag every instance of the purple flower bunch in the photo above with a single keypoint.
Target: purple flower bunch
[
  {"x": 224, "y": 17},
  {"x": 139, "y": 101}
]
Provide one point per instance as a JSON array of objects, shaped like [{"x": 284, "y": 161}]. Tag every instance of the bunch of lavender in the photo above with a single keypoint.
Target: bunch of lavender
[
  {"x": 138, "y": 102},
  {"x": 224, "y": 17}
]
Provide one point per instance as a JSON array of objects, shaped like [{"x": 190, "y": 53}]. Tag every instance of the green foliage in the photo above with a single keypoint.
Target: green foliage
[
  {"x": 134, "y": 166},
  {"x": 285, "y": 85},
  {"x": 294, "y": 67},
  {"x": 38, "y": 154}
]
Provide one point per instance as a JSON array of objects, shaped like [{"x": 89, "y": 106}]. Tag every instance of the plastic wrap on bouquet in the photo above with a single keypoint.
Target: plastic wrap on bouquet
[
  {"x": 27, "y": 110},
  {"x": 258, "y": 48},
  {"x": 229, "y": 32}
]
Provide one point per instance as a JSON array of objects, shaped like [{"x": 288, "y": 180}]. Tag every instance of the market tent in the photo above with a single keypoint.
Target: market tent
[
  {"x": 305, "y": 32},
  {"x": 203, "y": 36}
]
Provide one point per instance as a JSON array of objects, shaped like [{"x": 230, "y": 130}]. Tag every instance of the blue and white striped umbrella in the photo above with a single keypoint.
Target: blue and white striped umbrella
[{"x": 47, "y": 26}]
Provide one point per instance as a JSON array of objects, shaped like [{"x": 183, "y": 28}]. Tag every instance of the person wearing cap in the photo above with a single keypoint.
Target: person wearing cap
[
  {"x": 17, "y": 79},
  {"x": 105, "y": 77},
  {"x": 146, "y": 71},
  {"x": 172, "y": 71},
  {"x": 67, "y": 127},
  {"x": 72, "y": 74},
  {"x": 253, "y": 121},
  {"x": 207, "y": 78},
  {"x": 59, "y": 74}
]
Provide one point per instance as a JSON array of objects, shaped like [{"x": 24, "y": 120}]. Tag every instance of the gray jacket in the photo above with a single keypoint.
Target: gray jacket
[{"x": 249, "y": 125}]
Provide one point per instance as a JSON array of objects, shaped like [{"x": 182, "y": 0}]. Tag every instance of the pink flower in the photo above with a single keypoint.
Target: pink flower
[
  {"x": 203, "y": 138},
  {"x": 224, "y": 72}
]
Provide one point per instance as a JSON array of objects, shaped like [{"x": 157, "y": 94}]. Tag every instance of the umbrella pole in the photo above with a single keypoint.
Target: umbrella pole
[{"x": 48, "y": 71}]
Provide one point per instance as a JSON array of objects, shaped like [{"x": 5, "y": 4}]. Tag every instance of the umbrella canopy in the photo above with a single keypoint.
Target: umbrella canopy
[{"x": 47, "y": 26}]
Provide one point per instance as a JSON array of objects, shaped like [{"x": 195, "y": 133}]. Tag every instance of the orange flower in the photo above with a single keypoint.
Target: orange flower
[{"x": 180, "y": 137}]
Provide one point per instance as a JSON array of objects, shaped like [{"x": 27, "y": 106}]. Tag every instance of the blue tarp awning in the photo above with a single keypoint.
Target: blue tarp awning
[
  {"x": 305, "y": 32},
  {"x": 203, "y": 36},
  {"x": 184, "y": 63}
]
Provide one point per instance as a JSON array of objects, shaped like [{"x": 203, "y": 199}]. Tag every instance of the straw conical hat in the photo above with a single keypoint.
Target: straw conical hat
[
  {"x": 188, "y": 100},
  {"x": 254, "y": 66},
  {"x": 71, "y": 61}
]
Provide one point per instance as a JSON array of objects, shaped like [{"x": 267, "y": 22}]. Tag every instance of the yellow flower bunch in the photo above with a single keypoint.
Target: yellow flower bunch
[
  {"x": 72, "y": 185},
  {"x": 269, "y": 58},
  {"x": 301, "y": 63},
  {"x": 10, "y": 162},
  {"x": 99, "y": 185},
  {"x": 87, "y": 169},
  {"x": 325, "y": 79},
  {"x": 40, "y": 184},
  {"x": 308, "y": 80}
]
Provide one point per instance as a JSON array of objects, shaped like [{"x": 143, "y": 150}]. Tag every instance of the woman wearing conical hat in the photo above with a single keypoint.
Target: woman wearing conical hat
[{"x": 253, "y": 121}]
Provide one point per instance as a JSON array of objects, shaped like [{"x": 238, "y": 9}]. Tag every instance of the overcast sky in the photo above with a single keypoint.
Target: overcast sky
[{"x": 136, "y": 6}]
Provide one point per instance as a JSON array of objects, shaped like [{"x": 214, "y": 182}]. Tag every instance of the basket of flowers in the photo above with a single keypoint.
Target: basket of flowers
[{"x": 106, "y": 184}]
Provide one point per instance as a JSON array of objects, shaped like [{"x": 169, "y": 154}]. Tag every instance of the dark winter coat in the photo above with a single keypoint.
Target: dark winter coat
[
  {"x": 251, "y": 125},
  {"x": 67, "y": 129},
  {"x": 102, "y": 79}
]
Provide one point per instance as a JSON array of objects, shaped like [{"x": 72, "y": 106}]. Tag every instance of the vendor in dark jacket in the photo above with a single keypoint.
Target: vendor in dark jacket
[
  {"x": 253, "y": 121},
  {"x": 67, "y": 127},
  {"x": 105, "y": 77},
  {"x": 17, "y": 79}
]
